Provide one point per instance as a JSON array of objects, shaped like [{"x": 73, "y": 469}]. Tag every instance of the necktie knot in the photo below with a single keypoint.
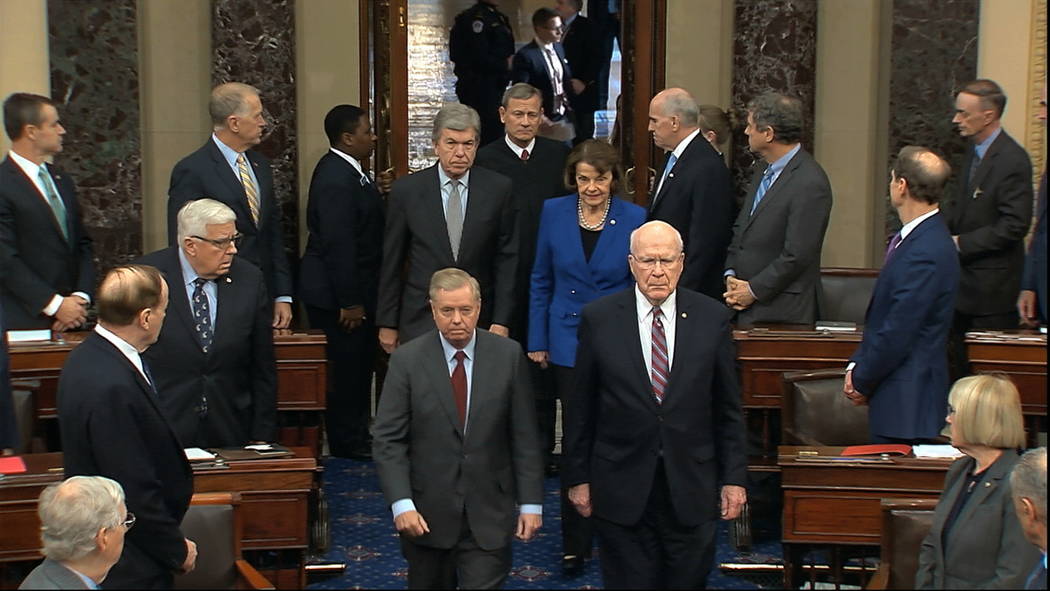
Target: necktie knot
[
  {"x": 460, "y": 356},
  {"x": 524, "y": 154},
  {"x": 200, "y": 282}
]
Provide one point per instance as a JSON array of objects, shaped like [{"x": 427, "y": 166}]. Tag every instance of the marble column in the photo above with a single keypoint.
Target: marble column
[
  {"x": 774, "y": 50},
  {"x": 93, "y": 46},
  {"x": 933, "y": 53},
  {"x": 253, "y": 41}
]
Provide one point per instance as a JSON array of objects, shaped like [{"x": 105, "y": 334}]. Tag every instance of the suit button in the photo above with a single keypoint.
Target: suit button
[
  {"x": 574, "y": 314},
  {"x": 572, "y": 291}
]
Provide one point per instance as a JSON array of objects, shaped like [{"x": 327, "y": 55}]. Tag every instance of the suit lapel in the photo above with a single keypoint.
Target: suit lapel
[
  {"x": 433, "y": 209},
  {"x": 783, "y": 179},
  {"x": 479, "y": 381},
  {"x": 226, "y": 306},
  {"x": 223, "y": 171},
  {"x": 31, "y": 192},
  {"x": 989, "y": 484},
  {"x": 610, "y": 235},
  {"x": 265, "y": 186},
  {"x": 143, "y": 385},
  {"x": 986, "y": 165},
  {"x": 177, "y": 292},
  {"x": 629, "y": 321},
  {"x": 684, "y": 325},
  {"x": 437, "y": 366}
]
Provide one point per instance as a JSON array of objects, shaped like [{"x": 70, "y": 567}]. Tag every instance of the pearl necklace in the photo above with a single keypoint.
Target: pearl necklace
[{"x": 583, "y": 220}]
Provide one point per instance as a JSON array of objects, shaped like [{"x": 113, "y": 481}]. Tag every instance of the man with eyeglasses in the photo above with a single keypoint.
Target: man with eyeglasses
[
  {"x": 111, "y": 425},
  {"x": 83, "y": 522},
  {"x": 662, "y": 414},
  {"x": 214, "y": 363}
]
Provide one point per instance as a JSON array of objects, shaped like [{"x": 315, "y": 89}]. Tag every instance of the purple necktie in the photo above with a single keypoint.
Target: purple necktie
[
  {"x": 660, "y": 362},
  {"x": 896, "y": 240}
]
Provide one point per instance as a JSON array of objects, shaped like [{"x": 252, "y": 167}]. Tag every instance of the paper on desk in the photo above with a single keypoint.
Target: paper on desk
[
  {"x": 28, "y": 336},
  {"x": 196, "y": 454},
  {"x": 936, "y": 451}
]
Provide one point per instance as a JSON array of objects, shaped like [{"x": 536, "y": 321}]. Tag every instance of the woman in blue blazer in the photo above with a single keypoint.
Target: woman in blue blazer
[{"x": 581, "y": 255}]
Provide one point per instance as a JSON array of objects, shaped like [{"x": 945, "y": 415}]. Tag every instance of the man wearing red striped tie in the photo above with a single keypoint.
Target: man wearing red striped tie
[{"x": 650, "y": 441}]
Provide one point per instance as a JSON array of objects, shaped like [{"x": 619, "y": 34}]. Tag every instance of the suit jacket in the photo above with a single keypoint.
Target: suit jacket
[
  {"x": 422, "y": 453},
  {"x": 237, "y": 376},
  {"x": 340, "y": 266},
  {"x": 697, "y": 199},
  {"x": 530, "y": 66},
  {"x": 1035, "y": 262},
  {"x": 991, "y": 219},
  {"x": 563, "y": 281},
  {"x": 112, "y": 425},
  {"x": 50, "y": 574},
  {"x": 583, "y": 42},
  {"x": 901, "y": 363},
  {"x": 533, "y": 182},
  {"x": 206, "y": 173},
  {"x": 986, "y": 546},
  {"x": 37, "y": 260},
  {"x": 778, "y": 248},
  {"x": 615, "y": 431},
  {"x": 415, "y": 245}
]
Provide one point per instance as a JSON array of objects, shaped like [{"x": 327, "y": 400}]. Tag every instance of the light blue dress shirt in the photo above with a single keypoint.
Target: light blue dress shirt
[
  {"x": 91, "y": 584},
  {"x": 401, "y": 505},
  {"x": 210, "y": 289},
  {"x": 982, "y": 148},
  {"x": 446, "y": 190}
]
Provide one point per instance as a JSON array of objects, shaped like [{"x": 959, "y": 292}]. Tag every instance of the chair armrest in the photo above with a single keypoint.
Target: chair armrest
[
  {"x": 251, "y": 578},
  {"x": 881, "y": 578}
]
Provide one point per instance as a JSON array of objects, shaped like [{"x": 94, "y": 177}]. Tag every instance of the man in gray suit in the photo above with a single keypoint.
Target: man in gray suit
[
  {"x": 456, "y": 447},
  {"x": 773, "y": 266},
  {"x": 83, "y": 521}
]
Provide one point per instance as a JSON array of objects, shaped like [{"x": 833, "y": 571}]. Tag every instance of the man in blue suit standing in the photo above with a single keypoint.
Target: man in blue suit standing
[{"x": 901, "y": 367}]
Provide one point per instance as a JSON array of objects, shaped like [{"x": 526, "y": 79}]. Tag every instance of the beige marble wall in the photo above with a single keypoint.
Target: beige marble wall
[
  {"x": 175, "y": 81},
  {"x": 700, "y": 48},
  {"x": 24, "y": 53}
]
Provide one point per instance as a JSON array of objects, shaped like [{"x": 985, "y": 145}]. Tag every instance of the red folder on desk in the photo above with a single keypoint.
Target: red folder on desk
[
  {"x": 12, "y": 465},
  {"x": 892, "y": 449}
]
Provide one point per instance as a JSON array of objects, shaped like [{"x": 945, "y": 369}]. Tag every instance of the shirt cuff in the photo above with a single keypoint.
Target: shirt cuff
[
  {"x": 283, "y": 299},
  {"x": 529, "y": 509},
  {"x": 401, "y": 506},
  {"x": 81, "y": 294},
  {"x": 751, "y": 291},
  {"x": 729, "y": 273},
  {"x": 52, "y": 307},
  {"x": 851, "y": 365}
]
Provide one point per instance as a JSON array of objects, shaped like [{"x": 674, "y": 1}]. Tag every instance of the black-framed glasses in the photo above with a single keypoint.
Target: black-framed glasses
[
  {"x": 222, "y": 243},
  {"x": 129, "y": 520}
]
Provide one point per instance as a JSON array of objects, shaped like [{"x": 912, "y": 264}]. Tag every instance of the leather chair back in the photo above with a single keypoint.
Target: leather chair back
[
  {"x": 905, "y": 523},
  {"x": 813, "y": 410},
  {"x": 214, "y": 528},
  {"x": 845, "y": 293}
]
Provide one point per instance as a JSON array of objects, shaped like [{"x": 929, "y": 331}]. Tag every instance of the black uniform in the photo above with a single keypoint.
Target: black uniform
[{"x": 481, "y": 43}]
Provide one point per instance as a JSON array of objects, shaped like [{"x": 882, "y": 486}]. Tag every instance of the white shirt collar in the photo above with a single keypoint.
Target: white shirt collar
[
  {"x": 353, "y": 161},
  {"x": 123, "y": 346},
  {"x": 645, "y": 309},
  {"x": 32, "y": 169},
  {"x": 682, "y": 145},
  {"x": 544, "y": 46},
  {"x": 450, "y": 351},
  {"x": 907, "y": 229},
  {"x": 518, "y": 149}
]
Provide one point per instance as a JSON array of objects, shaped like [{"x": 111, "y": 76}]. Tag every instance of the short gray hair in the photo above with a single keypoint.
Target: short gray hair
[
  {"x": 73, "y": 511},
  {"x": 451, "y": 279},
  {"x": 1028, "y": 480},
  {"x": 677, "y": 102},
  {"x": 781, "y": 112},
  {"x": 229, "y": 99},
  {"x": 195, "y": 216},
  {"x": 457, "y": 117},
  {"x": 520, "y": 91},
  {"x": 658, "y": 224}
]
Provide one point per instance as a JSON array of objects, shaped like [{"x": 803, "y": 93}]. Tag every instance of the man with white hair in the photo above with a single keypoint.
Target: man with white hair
[
  {"x": 82, "y": 525},
  {"x": 1028, "y": 484},
  {"x": 214, "y": 362}
]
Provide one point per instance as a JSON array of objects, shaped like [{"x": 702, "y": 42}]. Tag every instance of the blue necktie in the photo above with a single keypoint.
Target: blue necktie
[
  {"x": 667, "y": 170},
  {"x": 149, "y": 376},
  {"x": 767, "y": 180},
  {"x": 54, "y": 201},
  {"x": 202, "y": 314}
]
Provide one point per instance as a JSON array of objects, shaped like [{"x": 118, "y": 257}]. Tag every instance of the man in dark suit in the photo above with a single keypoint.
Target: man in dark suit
[
  {"x": 542, "y": 63},
  {"x": 694, "y": 193},
  {"x": 339, "y": 274},
  {"x": 45, "y": 253},
  {"x": 901, "y": 369},
  {"x": 988, "y": 218},
  {"x": 227, "y": 170},
  {"x": 1028, "y": 486},
  {"x": 112, "y": 425},
  {"x": 1031, "y": 303},
  {"x": 448, "y": 215},
  {"x": 214, "y": 362},
  {"x": 481, "y": 45},
  {"x": 455, "y": 446},
  {"x": 582, "y": 41},
  {"x": 773, "y": 266},
  {"x": 648, "y": 438}
]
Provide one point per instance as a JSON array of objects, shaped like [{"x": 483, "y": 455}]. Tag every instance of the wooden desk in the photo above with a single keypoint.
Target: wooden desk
[
  {"x": 1020, "y": 354},
  {"x": 275, "y": 504},
  {"x": 837, "y": 502},
  {"x": 301, "y": 380}
]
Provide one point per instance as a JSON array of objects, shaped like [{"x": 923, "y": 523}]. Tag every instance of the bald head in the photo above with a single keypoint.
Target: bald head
[
  {"x": 924, "y": 172},
  {"x": 127, "y": 290},
  {"x": 656, "y": 231}
]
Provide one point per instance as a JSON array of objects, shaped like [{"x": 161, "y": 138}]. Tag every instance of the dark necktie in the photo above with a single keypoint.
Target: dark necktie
[
  {"x": 660, "y": 361},
  {"x": 524, "y": 155},
  {"x": 974, "y": 165},
  {"x": 202, "y": 314},
  {"x": 149, "y": 376},
  {"x": 894, "y": 242},
  {"x": 459, "y": 387}
]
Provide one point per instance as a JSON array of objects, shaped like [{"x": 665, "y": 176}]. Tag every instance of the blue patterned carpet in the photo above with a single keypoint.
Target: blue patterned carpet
[{"x": 363, "y": 536}]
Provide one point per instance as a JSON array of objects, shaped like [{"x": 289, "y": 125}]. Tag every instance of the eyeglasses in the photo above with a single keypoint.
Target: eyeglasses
[
  {"x": 222, "y": 243},
  {"x": 129, "y": 520},
  {"x": 651, "y": 262}
]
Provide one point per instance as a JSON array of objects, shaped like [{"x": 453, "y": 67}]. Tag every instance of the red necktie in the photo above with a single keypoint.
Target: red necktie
[
  {"x": 659, "y": 373},
  {"x": 524, "y": 154},
  {"x": 459, "y": 386}
]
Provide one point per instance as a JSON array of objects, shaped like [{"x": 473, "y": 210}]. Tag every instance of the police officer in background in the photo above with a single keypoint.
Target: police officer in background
[{"x": 481, "y": 45}]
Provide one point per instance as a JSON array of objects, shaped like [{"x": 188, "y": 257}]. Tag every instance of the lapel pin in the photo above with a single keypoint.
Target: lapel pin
[
  {"x": 684, "y": 315},
  {"x": 670, "y": 175},
  {"x": 977, "y": 193},
  {"x": 612, "y": 222},
  {"x": 228, "y": 280},
  {"x": 987, "y": 484}
]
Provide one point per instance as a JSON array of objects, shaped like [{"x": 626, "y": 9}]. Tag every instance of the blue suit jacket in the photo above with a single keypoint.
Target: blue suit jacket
[
  {"x": 902, "y": 364},
  {"x": 563, "y": 281}
]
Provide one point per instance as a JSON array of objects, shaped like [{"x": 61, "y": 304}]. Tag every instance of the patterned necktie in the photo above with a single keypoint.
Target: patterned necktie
[
  {"x": 459, "y": 387},
  {"x": 202, "y": 314},
  {"x": 249, "y": 187},
  {"x": 454, "y": 218},
  {"x": 894, "y": 242},
  {"x": 767, "y": 180},
  {"x": 667, "y": 170},
  {"x": 556, "y": 80},
  {"x": 975, "y": 163},
  {"x": 524, "y": 155},
  {"x": 659, "y": 357},
  {"x": 54, "y": 201}
]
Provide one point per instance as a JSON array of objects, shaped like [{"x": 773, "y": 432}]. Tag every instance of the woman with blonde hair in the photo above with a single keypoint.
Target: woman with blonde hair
[{"x": 976, "y": 541}]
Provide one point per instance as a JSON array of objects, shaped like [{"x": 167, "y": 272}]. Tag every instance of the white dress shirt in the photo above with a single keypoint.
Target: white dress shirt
[
  {"x": 353, "y": 162},
  {"x": 124, "y": 347},
  {"x": 669, "y": 308},
  {"x": 678, "y": 151},
  {"x": 518, "y": 149}
]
